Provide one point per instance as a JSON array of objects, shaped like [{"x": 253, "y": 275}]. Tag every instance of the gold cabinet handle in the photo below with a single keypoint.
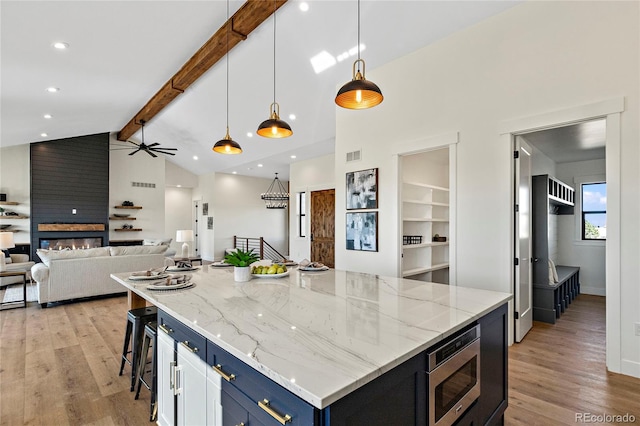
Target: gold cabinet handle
[
  {"x": 186, "y": 345},
  {"x": 266, "y": 406},
  {"x": 218, "y": 369},
  {"x": 165, "y": 329}
]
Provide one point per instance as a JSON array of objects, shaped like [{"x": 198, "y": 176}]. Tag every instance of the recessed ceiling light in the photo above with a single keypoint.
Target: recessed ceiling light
[
  {"x": 195, "y": 157},
  {"x": 48, "y": 116},
  {"x": 234, "y": 173},
  {"x": 44, "y": 135},
  {"x": 304, "y": 6},
  {"x": 53, "y": 89},
  {"x": 61, "y": 45},
  {"x": 293, "y": 156},
  {"x": 322, "y": 61},
  {"x": 259, "y": 165},
  {"x": 249, "y": 134},
  {"x": 292, "y": 116},
  {"x": 178, "y": 186}
]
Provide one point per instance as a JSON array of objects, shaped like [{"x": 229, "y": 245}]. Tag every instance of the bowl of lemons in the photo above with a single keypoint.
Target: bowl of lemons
[{"x": 275, "y": 270}]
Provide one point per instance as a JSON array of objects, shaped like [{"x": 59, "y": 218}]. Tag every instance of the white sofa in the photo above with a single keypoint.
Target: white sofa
[
  {"x": 18, "y": 262},
  {"x": 73, "y": 274}
]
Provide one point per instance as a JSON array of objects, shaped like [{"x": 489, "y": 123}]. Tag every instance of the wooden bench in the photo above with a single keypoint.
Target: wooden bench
[{"x": 551, "y": 300}]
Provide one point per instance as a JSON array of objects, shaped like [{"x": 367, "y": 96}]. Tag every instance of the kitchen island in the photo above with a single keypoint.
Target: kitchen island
[{"x": 326, "y": 339}]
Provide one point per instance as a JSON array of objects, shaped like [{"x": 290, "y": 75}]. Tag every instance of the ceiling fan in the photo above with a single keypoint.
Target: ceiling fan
[{"x": 150, "y": 149}]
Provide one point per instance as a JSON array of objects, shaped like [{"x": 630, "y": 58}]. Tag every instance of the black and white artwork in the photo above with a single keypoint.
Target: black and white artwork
[
  {"x": 362, "y": 231},
  {"x": 362, "y": 189},
  {"x": 205, "y": 209},
  {"x": 210, "y": 222}
]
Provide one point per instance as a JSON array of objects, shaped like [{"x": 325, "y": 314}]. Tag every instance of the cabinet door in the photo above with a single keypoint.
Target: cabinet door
[
  {"x": 165, "y": 365},
  {"x": 214, "y": 398},
  {"x": 493, "y": 367},
  {"x": 191, "y": 388}
]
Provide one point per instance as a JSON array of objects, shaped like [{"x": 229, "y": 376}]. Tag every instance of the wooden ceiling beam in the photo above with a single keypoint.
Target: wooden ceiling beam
[{"x": 239, "y": 26}]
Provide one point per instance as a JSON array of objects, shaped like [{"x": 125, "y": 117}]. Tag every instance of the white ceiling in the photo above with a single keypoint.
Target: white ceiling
[
  {"x": 577, "y": 142},
  {"x": 122, "y": 52}
]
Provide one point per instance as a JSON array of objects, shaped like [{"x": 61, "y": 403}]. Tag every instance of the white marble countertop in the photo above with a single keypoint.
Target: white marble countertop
[{"x": 320, "y": 335}]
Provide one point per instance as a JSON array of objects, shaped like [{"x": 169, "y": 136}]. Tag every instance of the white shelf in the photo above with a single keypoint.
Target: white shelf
[
  {"x": 426, "y": 203},
  {"x": 424, "y": 219},
  {"x": 426, "y": 185},
  {"x": 432, "y": 244},
  {"x": 416, "y": 271}
]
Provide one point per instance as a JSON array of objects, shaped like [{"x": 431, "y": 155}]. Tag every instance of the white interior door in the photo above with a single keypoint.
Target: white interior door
[{"x": 522, "y": 270}]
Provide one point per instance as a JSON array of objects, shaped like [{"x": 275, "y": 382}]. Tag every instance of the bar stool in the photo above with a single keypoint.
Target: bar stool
[
  {"x": 136, "y": 320},
  {"x": 150, "y": 334}
]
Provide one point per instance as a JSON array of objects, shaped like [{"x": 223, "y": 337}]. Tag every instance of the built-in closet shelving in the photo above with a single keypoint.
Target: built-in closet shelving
[{"x": 425, "y": 214}]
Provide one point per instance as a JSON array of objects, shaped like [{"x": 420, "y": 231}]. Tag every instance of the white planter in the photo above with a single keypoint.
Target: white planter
[{"x": 242, "y": 273}]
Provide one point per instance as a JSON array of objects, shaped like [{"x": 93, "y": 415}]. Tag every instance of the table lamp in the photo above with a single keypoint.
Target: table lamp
[
  {"x": 6, "y": 242},
  {"x": 184, "y": 236}
]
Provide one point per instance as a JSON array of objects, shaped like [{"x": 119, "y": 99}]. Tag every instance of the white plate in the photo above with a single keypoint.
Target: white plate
[
  {"x": 220, "y": 264},
  {"x": 148, "y": 277},
  {"x": 284, "y": 274},
  {"x": 176, "y": 269},
  {"x": 161, "y": 287},
  {"x": 310, "y": 269}
]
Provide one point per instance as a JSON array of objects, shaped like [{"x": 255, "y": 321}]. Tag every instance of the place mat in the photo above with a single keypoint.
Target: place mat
[
  {"x": 173, "y": 287},
  {"x": 221, "y": 264},
  {"x": 179, "y": 269},
  {"x": 148, "y": 277},
  {"x": 313, "y": 269}
]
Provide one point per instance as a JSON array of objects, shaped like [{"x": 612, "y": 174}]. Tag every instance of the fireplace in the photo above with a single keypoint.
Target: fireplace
[{"x": 70, "y": 243}]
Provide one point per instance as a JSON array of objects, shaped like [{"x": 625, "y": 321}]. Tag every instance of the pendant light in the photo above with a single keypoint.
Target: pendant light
[
  {"x": 359, "y": 93},
  {"x": 227, "y": 145},
  {"x": 274, "y": 127}
]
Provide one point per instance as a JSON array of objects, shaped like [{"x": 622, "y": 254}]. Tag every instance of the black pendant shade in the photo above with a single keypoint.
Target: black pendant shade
[
  {"x": 359, "y": 93},
  {"x": 227, "y": 145},
  {"x": 274, "y": 127}
]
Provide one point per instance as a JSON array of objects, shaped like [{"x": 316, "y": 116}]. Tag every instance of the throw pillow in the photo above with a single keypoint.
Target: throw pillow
[
  {"x": 48, "y": 255},
  {"x": 156, "y": 241},
  {"x": 553, "y": 274},
  {"x": 7, "y": 257},
  {"x": 133, "y": 250}
]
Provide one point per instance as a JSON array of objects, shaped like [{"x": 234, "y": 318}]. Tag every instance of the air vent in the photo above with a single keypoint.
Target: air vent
[
  {"x": 143, "y": 185},
  {"x": 353, "y": 156}
]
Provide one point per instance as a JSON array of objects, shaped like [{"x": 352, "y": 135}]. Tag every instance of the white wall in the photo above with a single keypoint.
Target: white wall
[
  {"x": 589, "y": 255},
  {"x": 306, "y": 176},
  {"x": 178, "y": 214},
  {"x": 532, "y": 59},
  {"x": 205, "y": 193},
  {"x": 236, "y": 207},
  {"x": 15, "y": 181},
  {"x": 125, "y": 169}
]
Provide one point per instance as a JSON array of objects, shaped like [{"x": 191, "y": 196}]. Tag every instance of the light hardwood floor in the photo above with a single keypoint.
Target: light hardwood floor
[{"x": 59, "y": 366}]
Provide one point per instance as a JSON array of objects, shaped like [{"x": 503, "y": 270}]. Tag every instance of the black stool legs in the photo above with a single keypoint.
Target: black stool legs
[
  {"x": 150, "y": 333},
  {"x": 136, "y": 321}
]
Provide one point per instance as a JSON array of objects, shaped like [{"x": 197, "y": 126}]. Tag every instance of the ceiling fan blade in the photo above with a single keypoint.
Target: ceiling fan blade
[
  {"x": 150, "y": 153},
  {"x": 135, "y": 151},
  {"x": 153, "y": 144},
  {"x": 166, "y": 149},
  {"x": 134, "y": 143}
]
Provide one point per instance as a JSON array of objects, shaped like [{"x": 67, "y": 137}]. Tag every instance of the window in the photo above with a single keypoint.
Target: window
[
  {"x": 301, "y": 213},
  {"x": 594, "y": 211}
]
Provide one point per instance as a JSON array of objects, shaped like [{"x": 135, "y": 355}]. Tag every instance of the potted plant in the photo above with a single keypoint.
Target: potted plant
[{"x": 241, "y": 261}]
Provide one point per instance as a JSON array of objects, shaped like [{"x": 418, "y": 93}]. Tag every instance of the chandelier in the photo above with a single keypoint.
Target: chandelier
[{"x": 276, "y": 197}]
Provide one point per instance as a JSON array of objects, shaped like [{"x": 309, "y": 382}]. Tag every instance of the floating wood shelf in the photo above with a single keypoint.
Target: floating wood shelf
[
  {"x": 14, "y": 217},
  {"x": 128, "y": 207},
  {"x": 127, "y": 230},
  {"x": 8, "y": 203},
  {"x": 71, "y": 227}
]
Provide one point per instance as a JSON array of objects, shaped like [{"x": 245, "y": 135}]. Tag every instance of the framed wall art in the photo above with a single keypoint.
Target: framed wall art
[
  {"x": 205, "y": 209},
  {"x": 362, "y": 231},
  {"x": 362, "y": 189}
]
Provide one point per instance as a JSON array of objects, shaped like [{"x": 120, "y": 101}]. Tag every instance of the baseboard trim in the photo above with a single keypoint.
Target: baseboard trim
[
  {"x": 596, "y": 291},
  {"x": 631, "y": 368}
]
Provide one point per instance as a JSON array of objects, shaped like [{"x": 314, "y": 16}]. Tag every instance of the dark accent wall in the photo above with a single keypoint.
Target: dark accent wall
[{"x": 69, "y": 174}]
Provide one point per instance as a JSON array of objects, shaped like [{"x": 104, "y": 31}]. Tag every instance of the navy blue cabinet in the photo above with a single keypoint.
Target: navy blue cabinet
[
  {"x": 264, "y": 400},
  {"x": 395, "y": 398}
]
